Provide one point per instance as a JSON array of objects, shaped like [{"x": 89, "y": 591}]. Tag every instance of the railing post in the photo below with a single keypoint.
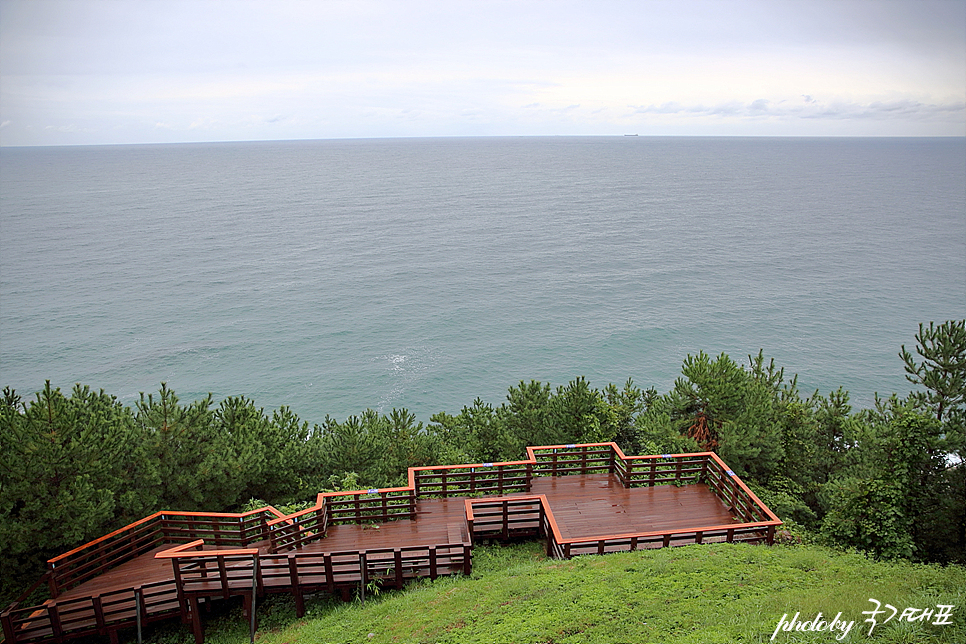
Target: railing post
[
  {"x": 53, "y": 614},
  {"x": 506, "y": 520},
  {"x": 138, "y": 603},
  {"x": 397, "y": 562},
  {"x": 99, "y": 614},
  {"x": 8, "y": 624},
  {"x": 363, "y": 570},
  {"x": 52, "y": 583},
  {"x": 251, "y": 628}
]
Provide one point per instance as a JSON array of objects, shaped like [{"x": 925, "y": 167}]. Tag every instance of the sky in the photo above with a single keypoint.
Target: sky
[{"x": 154, "y": 71}]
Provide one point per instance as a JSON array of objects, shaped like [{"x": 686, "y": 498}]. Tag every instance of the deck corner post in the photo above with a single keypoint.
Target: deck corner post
[
  {"x": 138, "y": 607},
  {"x": 53, "y": 614},
  {"x": 251, "y": 627},
  {"x": 467, "y": 560},
  {"x": 363, "y": 569},
  {"x": 432, "y": 563},
  {"x": 770, "y": 539},
  {"x": 196, "y": 621},
  {"x": 7, "y": 626},
  {"x": 99, "y": 615},
  {"x": 398, "y": 565},
  {"x": 51, "y": 584}
]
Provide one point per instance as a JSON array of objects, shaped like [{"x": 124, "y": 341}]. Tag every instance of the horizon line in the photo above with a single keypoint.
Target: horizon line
[{"x": 492, "y": 136}]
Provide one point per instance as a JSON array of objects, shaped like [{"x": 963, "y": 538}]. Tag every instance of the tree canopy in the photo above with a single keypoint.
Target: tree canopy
[{"x": 889, "y": 480}]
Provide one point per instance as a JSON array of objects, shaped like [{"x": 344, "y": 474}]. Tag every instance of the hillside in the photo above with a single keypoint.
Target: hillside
[{"x": 704, "y": 593}]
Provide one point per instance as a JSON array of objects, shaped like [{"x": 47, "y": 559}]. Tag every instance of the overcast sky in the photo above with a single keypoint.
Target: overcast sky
[{"x": 126, "y": 71}]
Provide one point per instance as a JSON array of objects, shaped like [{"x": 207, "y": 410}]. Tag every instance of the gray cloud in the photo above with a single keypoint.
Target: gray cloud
[
  {"x": 90, "y": 71},
  {"x": 812, "y": 108}
]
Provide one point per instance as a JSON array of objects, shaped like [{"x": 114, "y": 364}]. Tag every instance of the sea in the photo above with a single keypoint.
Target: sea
[{"x": 339, "y": 275}]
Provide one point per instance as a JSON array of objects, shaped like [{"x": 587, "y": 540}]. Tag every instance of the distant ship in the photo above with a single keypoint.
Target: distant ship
[{"x": 630, "y": 135}]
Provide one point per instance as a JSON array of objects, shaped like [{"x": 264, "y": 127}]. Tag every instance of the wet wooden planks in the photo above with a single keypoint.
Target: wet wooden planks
[
  {"x": 596, "y": 506},
  {"x": 584, "y": 507}
]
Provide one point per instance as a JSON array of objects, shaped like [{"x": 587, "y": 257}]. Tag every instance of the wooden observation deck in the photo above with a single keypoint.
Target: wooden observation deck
[{"x": 581, "y": 499}]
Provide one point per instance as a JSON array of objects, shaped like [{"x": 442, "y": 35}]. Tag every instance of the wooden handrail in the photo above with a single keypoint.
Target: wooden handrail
[
  {"x": 741, "y": 484},
  {"x": 104, "y": 538}
]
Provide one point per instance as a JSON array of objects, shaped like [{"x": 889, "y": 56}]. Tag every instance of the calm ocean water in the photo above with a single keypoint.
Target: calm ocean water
[{"x": 332, "y": 276}]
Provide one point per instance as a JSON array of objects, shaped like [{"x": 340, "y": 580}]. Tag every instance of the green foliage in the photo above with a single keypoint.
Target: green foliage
[
  {"x": 533, "y": 414},
  {"x": 942, "y": 372},
  {"x": 379, "y": 448},
  {"x": 881, "y": 501},
  {"x": 943, "y": 368},
  {"x": 525, "y": 415},
  {"x": 732, "y": 410},
  {"x": 477, "y": 434},
  {"x": 623, "y": 408},
  {"x": 657, "y": 432},
  {"x": 579, "y": 414},
  {"x": 70, "y": 467}
]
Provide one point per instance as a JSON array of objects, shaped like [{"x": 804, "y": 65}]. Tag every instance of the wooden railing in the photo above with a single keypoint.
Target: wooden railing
[
  {"x": 566, "y": 548},
  {"x": 470, "y": 480},
  {"x": 735, "y": 494},
  {"x": 200, "y": 573},
  {"x": 665, "y": 469},
  {"x": 300, "y": 574},
  {"x": 101, "y": 614},
  {"x": 366, "y": 506},
  {"x": 299, "y": 529},
  {"x": 219, "y": 529},
  {"x": 96, "y": 557},
  {"x": 505, "y": 518},
  {"x": 564, "y": 460}
]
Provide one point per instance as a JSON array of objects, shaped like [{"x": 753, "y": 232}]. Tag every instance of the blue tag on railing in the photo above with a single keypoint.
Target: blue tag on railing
[
  {"x": 571, "y": 446},
  {"x": 373, "y": 491},
  {"x": 665, "y": 456},
  {"x": 487, "y": 464},
  {"x": 729, "y": 473}
]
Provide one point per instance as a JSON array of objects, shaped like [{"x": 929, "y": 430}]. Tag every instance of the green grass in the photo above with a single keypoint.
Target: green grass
[{"x": 703, "y": 593}]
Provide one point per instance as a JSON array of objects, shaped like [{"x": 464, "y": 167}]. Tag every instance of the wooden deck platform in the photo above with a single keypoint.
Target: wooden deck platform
[{"x": 582, "y": 499}]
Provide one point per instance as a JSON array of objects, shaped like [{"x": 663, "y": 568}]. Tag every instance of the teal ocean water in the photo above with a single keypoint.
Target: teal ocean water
[{"x": 332, "y": 276}]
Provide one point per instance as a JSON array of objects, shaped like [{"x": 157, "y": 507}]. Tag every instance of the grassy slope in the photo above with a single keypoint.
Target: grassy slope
[{"x": 705, "y": 593}]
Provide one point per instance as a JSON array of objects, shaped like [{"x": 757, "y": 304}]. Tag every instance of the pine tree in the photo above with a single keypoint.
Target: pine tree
[{"x": 71, "y": 469}]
